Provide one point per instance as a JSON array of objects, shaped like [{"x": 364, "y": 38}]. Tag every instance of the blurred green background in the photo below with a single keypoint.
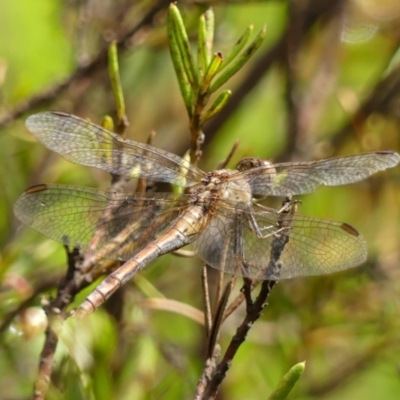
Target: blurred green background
[{"x": 323, "y": 84}]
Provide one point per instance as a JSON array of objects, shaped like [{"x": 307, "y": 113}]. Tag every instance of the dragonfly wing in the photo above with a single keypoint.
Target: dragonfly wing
[
  {"x": 109, "y": 224},
  {"x": 85, "y": 143},
  {"x": 304, "y": 177},
  {"x": 215, "y": 244},
  {"x": 314, "y": 246}
]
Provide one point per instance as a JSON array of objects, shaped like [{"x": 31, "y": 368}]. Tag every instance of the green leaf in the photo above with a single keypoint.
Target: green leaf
[
  {"x": 217, "y": 105},
  {"x": 237, "y": 48},
  {"x": 287, "y": 383},
  {"x": 113, "y": 70},
  {"x": 239, "y": 61},
  {"x": 205, "y": 40},
  {"x": 183, "y": 81},
  {"x": 181, "y": 38},
  {"x": 211, "y": 72}
]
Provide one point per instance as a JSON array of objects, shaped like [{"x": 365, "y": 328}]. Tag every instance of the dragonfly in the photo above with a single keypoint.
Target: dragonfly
[{"x": 217, "y": 212}]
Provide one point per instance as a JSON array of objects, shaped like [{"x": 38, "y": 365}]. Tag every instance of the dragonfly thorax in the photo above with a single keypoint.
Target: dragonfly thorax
[
  {"x": 218, "y": 186},
  {"x": 234, "y": 191}
]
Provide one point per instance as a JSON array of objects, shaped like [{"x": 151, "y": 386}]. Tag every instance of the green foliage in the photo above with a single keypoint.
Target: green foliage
[{"x": 198, "y": 81}]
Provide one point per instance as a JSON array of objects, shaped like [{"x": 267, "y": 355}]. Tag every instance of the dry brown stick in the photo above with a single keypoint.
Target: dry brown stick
[
  {"x": 218, "y": 318},
  {"x": 206, "y": 300},
  {"x": 45, "y": 365},
  {"x": 228, "y": 158},
  {"x": 254, "y": 312},
  {"x": 238, "y": 300}
]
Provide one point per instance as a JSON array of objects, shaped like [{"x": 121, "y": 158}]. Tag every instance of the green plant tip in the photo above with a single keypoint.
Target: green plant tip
[
  {"x": 288, "y": 381},
  {"x": 108, "y": 123}
]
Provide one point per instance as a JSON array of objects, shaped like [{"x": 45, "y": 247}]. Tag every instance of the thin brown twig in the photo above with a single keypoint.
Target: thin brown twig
[
  {"x": 206, "y": 300},
  {"x": 228, "y": 158},
  {"x": 238, "y": 300},
  {"x": 254, "y": 312},
  {"x": 219, "y": 317},
  {"x": 45, "y": 365},
  {"x": 209, "y": 369}
]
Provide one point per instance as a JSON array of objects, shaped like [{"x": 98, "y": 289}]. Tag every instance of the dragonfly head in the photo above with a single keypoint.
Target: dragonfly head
[
  {"x": 250, "y": 162},
  {"x": 259, "y": 173}
]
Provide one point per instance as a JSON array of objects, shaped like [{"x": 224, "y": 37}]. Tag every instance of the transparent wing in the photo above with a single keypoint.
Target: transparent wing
[
  {"x": 88, "y": 144},
  {"x": 109, "y": 224},
  {"x": 304, "y": 177},
  {"x": 314, "y": 246}
]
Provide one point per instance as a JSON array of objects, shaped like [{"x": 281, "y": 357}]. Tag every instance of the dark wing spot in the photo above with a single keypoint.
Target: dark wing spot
[
  {"x": 36, "y": 188},
  {"x": 349, "y": 229}
]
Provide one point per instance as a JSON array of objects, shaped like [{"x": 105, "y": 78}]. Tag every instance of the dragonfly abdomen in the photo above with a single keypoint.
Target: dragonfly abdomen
[{"x": 181, "y": 233}]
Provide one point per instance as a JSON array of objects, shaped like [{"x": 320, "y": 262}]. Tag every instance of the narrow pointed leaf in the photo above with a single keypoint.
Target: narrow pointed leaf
[
  {"x": 183, "y": 81},
  {"x": 239, "y": 61},
  {"x": 237, "y": 48},
  {"x": 182, "y": 41},
  {"x": 202, "y": 56},
  {"x": 211, "y": 72},
  {"x": 113, "y": 70},
  {"x": 206, "y": 39},
  {"x": 217, "y": 105}
]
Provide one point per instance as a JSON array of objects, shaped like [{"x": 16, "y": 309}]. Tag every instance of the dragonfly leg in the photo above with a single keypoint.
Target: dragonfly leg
[
  {"x": 255, "y": 228},
  {"x": 259, "y": 231},
  {"x": 288, "y": 204}
]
